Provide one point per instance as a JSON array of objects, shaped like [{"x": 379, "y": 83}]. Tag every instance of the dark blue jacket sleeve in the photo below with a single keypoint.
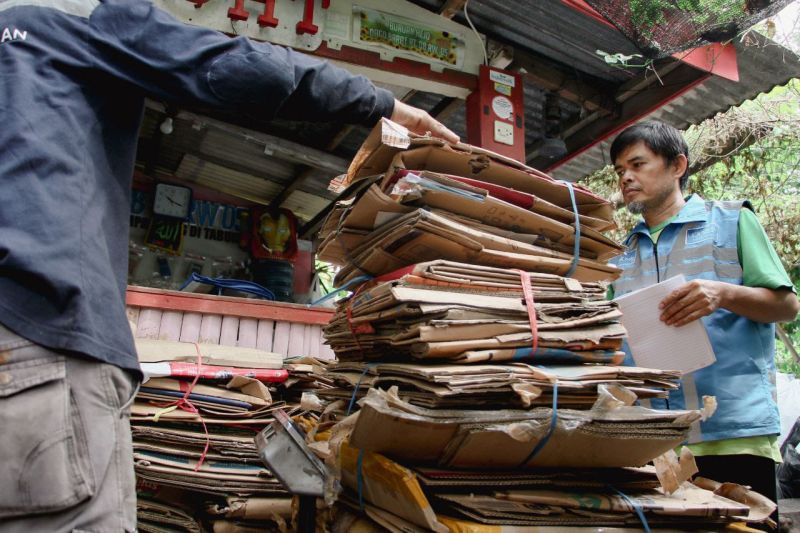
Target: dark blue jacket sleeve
[{"x": 137, "y": 42}]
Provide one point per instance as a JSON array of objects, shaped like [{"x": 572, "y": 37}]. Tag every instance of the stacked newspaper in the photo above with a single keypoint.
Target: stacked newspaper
[{"x": 193, "y": 422}]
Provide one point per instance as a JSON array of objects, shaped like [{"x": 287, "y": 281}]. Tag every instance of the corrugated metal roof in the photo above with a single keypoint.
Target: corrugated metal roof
[
  {"x": 763, "y": 65},
  {"x": 550, "y": 32},
  {"x": 550, "y": 29}
]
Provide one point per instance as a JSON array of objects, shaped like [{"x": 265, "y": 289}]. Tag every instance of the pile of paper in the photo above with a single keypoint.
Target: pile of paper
[
  {"x": 193, "y": 423},
  {"x": 482, "y": 355},
  {"x": 401, "y": 498},
  {"x": 158, "y": 514},
  {"x": 420, "y": 316},
  {"x": 516, "y": 385},
  {"x": 436, "y": 201}
]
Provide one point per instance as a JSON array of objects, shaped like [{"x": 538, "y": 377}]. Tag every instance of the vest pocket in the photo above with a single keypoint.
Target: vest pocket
[{"x": 43, "y": 450}]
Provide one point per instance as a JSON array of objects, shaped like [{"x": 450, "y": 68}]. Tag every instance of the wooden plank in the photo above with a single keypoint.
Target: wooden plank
[
  {"x": 149, "y": 323},
  {"x": 151, "y": 350},
  {"x": 226, "y": 305},
  {"x": 210, "y": 328},
  {"x": 133, "y": 317},
  {"x": 297, "y": 334},
  {"x": 316, "y": 341},
  {"x": 170, "y": 326},
  {"x": 266, "y": 331},
  {"x": 307, "y": 333},
  {"x": 280, "y": 342},
  {"x": 248, "y": 333},
  {"x": 190, "y": 329},
  {"x": 282, "y": 148},
  {"x": 229, "y": 333}
]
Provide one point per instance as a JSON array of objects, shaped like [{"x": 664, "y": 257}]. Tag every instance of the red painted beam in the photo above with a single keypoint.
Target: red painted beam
[
  {"x": 617, "y": 129},
  {"x": 716, "y": 58},
  {"x": 226, "y": 305}
]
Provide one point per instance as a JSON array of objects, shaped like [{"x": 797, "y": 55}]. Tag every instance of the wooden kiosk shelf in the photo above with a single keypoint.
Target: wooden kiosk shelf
[{"x": 288, "y": 329}]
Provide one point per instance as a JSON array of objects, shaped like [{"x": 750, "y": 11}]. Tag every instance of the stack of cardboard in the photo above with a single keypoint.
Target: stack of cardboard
[
  {"x": 417, "y": 315},
  {"x": 517, "y": 385},
  {"x": 193, "y": 423},
  {"x": 472, "y": 470},
  {"x": 478, "y": 284},
  {"x": 423, "y": 200}
]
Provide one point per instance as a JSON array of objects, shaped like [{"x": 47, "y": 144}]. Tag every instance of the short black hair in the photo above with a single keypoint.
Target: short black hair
[{"x": 661, "y": 138}]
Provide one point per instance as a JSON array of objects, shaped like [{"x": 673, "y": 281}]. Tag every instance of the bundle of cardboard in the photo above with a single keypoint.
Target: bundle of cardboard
[
  {"x": 416, "y": 499},
  {"x": 423, "y": 199},
  {"x": 193, "y": 423},
  {"x": 418, "y": 315},
  {"x": 595, "y": 438},
  {"x": 414, "y": 469},
  {"x": 516, "y": 385}
]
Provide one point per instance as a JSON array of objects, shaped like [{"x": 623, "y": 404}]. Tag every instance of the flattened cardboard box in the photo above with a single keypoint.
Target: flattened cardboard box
[
  {"x": 387, "y": 142},
  {"x": 627, "y": 436},
  {"x": 425, "y": 236},
  {"x": 372, "y": 218},
  {"x": 153, "y": 351}
]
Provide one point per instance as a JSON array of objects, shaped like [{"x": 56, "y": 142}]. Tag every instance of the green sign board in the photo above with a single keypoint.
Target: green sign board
[{"x": 408, "y": 36}]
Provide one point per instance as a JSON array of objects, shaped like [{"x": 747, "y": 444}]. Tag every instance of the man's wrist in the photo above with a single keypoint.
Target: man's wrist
[{"x": 726, "y": 294}]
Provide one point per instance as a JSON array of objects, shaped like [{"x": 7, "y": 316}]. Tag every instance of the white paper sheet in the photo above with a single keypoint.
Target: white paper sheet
[{"x": 653, "y": 344}]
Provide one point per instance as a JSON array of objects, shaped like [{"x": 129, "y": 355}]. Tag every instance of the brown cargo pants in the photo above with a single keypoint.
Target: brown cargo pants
[{"x": 66, "y": 462}]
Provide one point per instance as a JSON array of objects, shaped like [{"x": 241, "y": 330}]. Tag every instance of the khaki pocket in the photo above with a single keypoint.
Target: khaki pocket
[{"x": 43, "y": 452}]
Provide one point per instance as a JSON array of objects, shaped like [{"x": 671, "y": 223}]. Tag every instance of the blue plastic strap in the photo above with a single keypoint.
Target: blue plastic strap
[
  {"x": 360, "y": 461},
  {"x": 636, "y": 507},
  {"x": 553, "y": 422},
  {"x": 358, "y": 385},
  {"x": 233, "y": 284},
  {"x": 346, "y": 286},
  {"x": 577, "y": 247}
]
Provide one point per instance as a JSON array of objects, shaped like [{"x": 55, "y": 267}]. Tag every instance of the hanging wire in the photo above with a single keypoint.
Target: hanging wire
[{"x": 471, "y": 25}]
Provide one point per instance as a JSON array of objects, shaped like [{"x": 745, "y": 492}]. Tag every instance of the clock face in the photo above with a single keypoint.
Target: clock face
[{"x": 172, "y": 200}]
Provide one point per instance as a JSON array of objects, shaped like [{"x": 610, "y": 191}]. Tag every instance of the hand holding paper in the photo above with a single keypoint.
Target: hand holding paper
[
  {"x": 695, "y": 299},
  {"x": 653, "y": 343}
]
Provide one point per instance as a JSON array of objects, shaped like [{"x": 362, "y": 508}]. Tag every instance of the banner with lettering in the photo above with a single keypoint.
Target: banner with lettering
[{"x": 407, "y": 35}]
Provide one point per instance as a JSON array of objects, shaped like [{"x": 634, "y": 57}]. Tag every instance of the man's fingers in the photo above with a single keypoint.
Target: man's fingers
[
  {"x": 674, "y": 296},
  {"x": 441, "y": 131},
  {"x": 421, "y": 122},
  {"x": 692, "y": 310},
  {"x": 672, "y": 310}
]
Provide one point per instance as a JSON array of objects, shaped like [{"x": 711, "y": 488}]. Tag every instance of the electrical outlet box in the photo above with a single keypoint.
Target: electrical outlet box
[{"x": 504, "y": 132}]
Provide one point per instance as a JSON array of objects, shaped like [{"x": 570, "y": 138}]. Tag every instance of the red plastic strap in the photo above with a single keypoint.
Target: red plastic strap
[
  {"x": 527, "y": 291},
  {"x": 186, "y": 405},
  {"x": 352, "y": 327}
]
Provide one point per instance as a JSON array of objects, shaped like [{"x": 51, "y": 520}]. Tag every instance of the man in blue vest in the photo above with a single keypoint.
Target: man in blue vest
[
  {"x": 73, "y": 79},
  {"x": 736, "y": 285}
]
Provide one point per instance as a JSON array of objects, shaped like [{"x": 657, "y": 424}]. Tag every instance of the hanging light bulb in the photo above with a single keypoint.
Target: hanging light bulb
[{"x": 166, "y": 126}]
